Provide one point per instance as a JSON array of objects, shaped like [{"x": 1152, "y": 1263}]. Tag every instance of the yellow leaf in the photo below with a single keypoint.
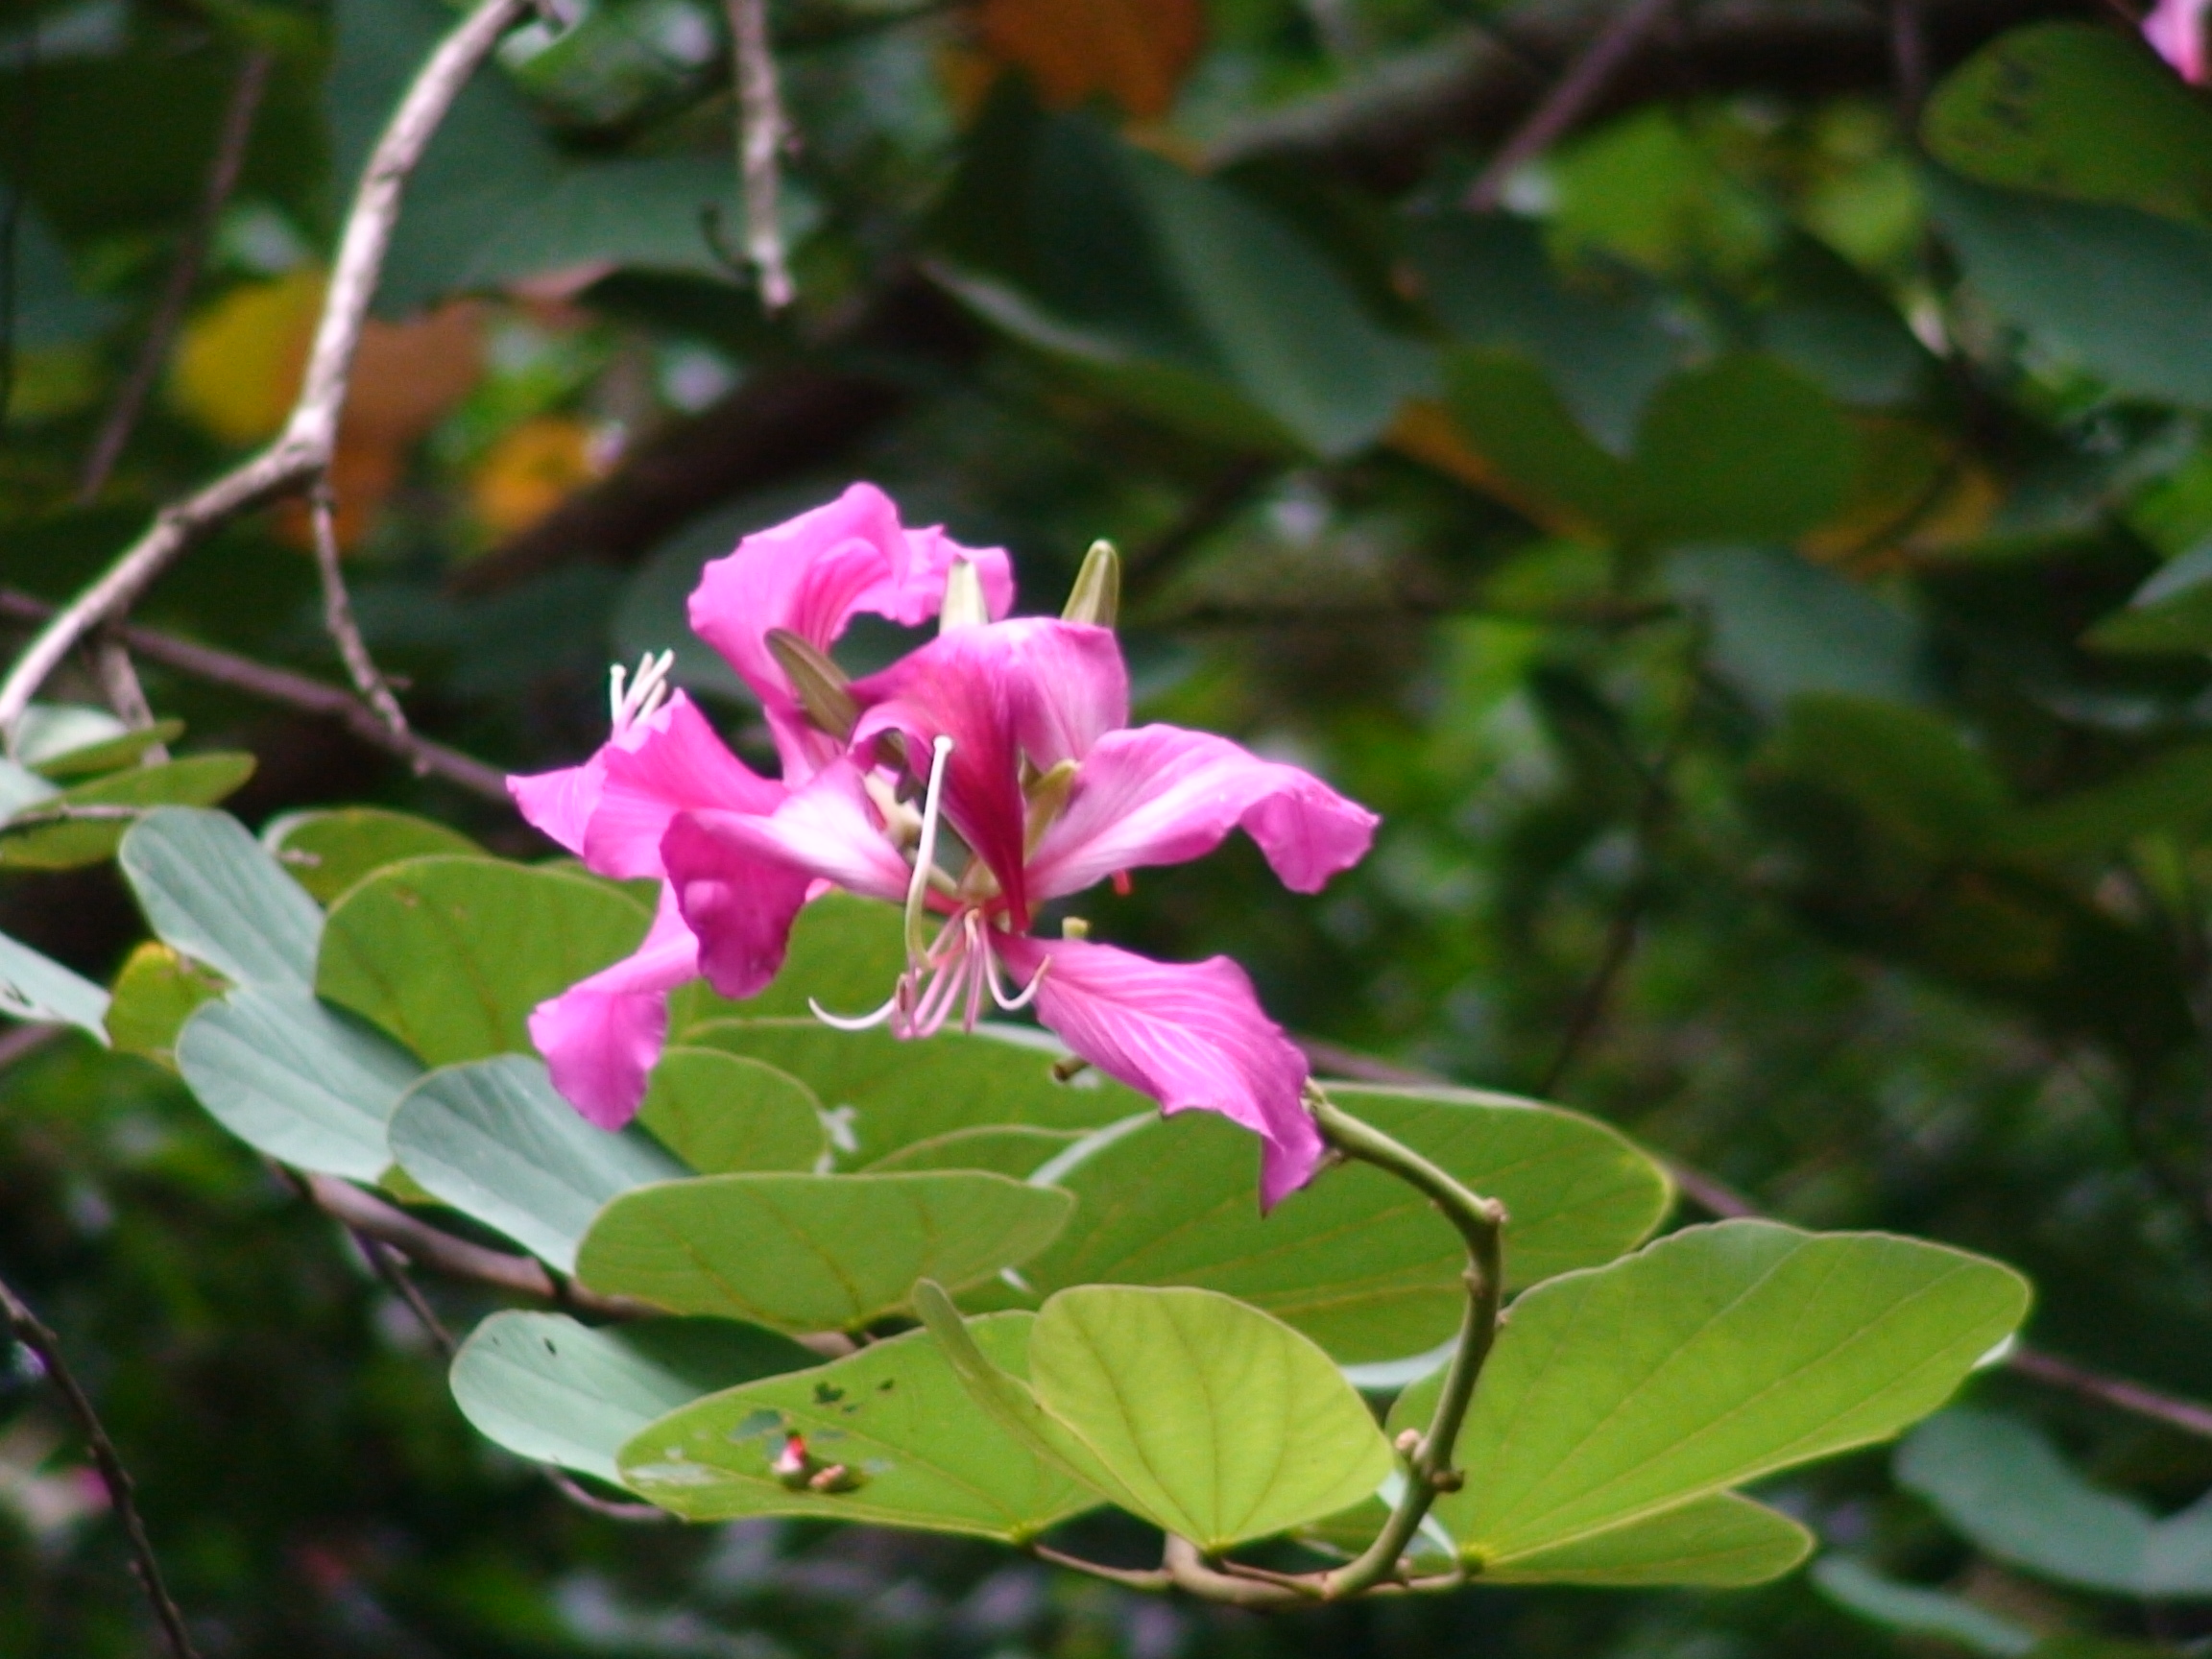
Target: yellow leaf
[
  {"x": 239, "y": 363},
  {"x": 530, "y": 471}
]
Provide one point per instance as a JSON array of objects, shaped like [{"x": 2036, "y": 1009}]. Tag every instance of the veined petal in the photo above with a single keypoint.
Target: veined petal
[
  {"x": 602, "y": 1036},
  {"x": 1191, "y": 1035},
  {"x": 1034, "y": 687},
  {"x": 2176, "y": 31},
  {"x": 1162, "y": 795},
  {"x": 741, "y": 877},
  {"x": 671, "y": 763},
  {"x": 559, "y": 804},
  {"x": 811, "y": 575}
]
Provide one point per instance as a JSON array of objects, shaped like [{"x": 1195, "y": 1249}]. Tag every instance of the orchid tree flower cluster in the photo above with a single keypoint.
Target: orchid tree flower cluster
[{"x": 974, "y": 781}]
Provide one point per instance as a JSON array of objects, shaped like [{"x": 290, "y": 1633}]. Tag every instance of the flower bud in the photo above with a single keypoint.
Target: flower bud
[
  {"x": 821, "y": 684},
  {"x": 965, "y": 606},
  {"x": 1096, "y": 597}
]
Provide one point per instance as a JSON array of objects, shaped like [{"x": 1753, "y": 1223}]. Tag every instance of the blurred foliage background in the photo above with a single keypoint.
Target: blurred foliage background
[{"x": 1753, "y": 543}]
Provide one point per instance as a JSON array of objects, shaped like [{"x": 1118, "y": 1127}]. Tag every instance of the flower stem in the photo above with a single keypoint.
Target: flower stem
[{"x": 1481, "y": 1224}]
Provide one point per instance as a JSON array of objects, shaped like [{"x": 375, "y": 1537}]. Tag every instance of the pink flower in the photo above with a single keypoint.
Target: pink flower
[
  {"x": 808, "y": 577},
  {"x": 1017, "y": 734},
  {"x": 2176, "y": 29}
]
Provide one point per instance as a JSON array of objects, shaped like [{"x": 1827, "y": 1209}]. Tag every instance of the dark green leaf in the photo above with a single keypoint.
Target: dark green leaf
[
  {"x": 327, "y": 852},
  {"x": 196, "y": 780},
  {"x": 723, "y": 1114}
]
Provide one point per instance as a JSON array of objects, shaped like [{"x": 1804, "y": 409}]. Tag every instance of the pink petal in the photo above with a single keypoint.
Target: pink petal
[
  {"x": 602, "y": 1036},
  {"x": 1191, "y": 1035},
  {"x": 741, "y": 877},
  {"x": 671, "y": 764},
  {"x": 811, "y": 575},
  {"x": 2176, "y": 31},
  {"x": 1162, "y": 795},
  {"x": 1035, "y": 688},
  {"x": 559, "y": 804}
]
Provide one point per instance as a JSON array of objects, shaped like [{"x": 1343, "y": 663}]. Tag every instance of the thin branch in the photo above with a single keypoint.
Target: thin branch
[
  {"x": 338, "y": 617},
  {"x": 119, "y": 683},
  {"x": 274, "y": 685},
  {"x": 121, "y": 1492},
  {"x": 762, "y": 132},
  {"x": 183, "y": 272},
  {"x": 24, "y": 823},
  {"x": 1129, "y": 1577},
  {"x": 1908, "y": 49},
  {"x": 1480, "y": 1223},
  {"x": 302, "y": 450},
  {"x": 1188, "y": 1570},
  {"x": 1568, "y": 102},
  {"x": 2186, "y": 1415}
]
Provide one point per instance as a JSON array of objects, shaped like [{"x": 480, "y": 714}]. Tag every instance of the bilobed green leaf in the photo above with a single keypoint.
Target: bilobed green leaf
[
  {"x": 1542, "y": 459},
  {"x": 1218, "y": 1422},
  {"x": 813, "y": 1252},
  {"x": 555, "y": 1391},
  {"x": 295, "y": 1079},
  {"x": 2076, "y": 110},
  {"x": 212, "y": 893},
  {"x": 491, "y": 1139},
  {"x": 155, "y": 992},
  {"x": 1782, "y": 625},
  {"x": 2170, "y": 612},
  {"x": 1906, "y": 769},
  {"x": 1722, "y": 1542},
  {"x": 915, "y": 1449},
  {"x": 34, "y": 986},
  {"x": 450, "y": 954},
  {"x": 2100, "y": 286},
  {"x": 327, "y": 852},
  {"x": 1918, "y": 1611},
  {"x": 1010, "y": 1149},
  {"x": 846, "y": 954},
  {"x": 196, "y": 780},
  {"x": 905, "y": 1091},
  {"x": 1359, "y": 1262},
  {"x": 2004, "y": 1486},
  {"x": 1709, "y": 1358},
  {"x": 1740, "y": 448},
  {"x": 722, "y": 1113}
]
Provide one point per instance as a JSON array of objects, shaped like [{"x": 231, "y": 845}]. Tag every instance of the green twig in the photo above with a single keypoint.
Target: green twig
[{"x": 1481, "y": 1224}]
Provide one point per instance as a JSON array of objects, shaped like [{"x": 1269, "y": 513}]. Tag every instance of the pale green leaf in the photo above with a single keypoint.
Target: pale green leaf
[
  {"x": 1916, "y": 1611},
  {"x": 723, "y": 1114},
  {"x": 34, "y": 987},
  {"x": 450, "y": 954},
  {"x": 1711, "y": 1358},
  {"x": 212, "y": 893},
  {"x": 916, "y": 1450},
  {"x": 813, "y": 1252},
  {"x": 491, "y": 1139},
  {"x": 296, "y": 1080},
  {"x": 555, "y": 1391},
  {"x": 327, "y": 852},
  {"x": 1359, "y": 1262}
]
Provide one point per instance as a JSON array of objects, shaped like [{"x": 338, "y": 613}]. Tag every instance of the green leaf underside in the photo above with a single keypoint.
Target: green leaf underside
[
  {"x": 1214, "y": 1420},
  {"x": 34, "y": 986},
  {"x": 1719, "y": 1541},
  {"x": 450, "y": 954},
  {"x": 555, "y": 1391},
  {"x": 723, "y": 1114},
  {"x": 213, "y": 893},
  {"x": 1359, "y": 1262},
  {"x": 491, "y": 1139},
  {"x": 327, "y": 852},
  {"x": 926, "y": 1455},
  {"x": 1013, "y": 1149},
  {"x": 196, "y": 780},
  {"x": 813, "y": 1252},
  {"x": 295, "y": 1079},
  {"x": 1713, "y": 1357},
  {"x": 2004, "y": 1486},
  {"x": 901, "y": 1092},
  {"x": 155, "y": 992},
  {"x": 846, "y": 954}
]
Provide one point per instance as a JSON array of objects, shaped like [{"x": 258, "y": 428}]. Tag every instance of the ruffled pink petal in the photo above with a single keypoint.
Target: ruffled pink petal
[
  {"x": 1035, "y": 688},
  {"x": 2176, "y": 31},
  {"x": 1162, "y": 795},
  {"x": 1191, "y": 1035},
  {"x": 559, "y": 804},
  {"x": 602, "y": 1036},
  {"x": 671, "y": 764},
  {"x": 741, "y": 877},
  {"x": 811, "y": 575}
]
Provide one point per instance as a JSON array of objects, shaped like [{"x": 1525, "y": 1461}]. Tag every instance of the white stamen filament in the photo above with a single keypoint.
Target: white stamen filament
[
  {"x": 643, "y": 696},
  {"x": 925, "y": 850}
]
